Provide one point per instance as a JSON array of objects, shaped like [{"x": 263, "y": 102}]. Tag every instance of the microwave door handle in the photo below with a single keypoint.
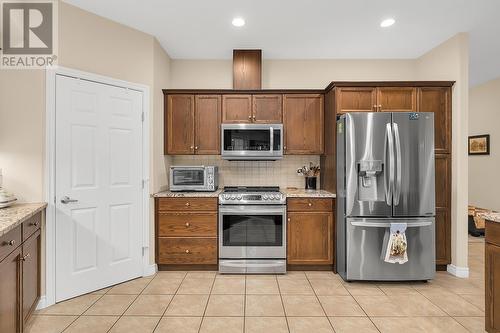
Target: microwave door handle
[{"x": 271, "y": 141}]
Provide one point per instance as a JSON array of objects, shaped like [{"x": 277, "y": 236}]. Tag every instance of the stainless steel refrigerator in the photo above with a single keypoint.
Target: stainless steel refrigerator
[{"x": 385, "y": 174}]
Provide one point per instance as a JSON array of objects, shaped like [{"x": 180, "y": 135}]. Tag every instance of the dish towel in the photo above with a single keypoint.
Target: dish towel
[{"x": 397, "y": 247}]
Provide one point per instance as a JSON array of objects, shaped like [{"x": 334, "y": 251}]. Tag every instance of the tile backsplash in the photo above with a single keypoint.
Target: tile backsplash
[{"x": 282, "y": 173}]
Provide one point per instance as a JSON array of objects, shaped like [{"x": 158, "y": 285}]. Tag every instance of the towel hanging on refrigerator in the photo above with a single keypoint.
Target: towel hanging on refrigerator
[{"x": 397, "y": 246}]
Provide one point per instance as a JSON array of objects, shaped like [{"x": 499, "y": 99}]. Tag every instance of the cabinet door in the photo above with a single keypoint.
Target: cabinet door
[
  {"x": 397, "y": 99},
  {"x": 207, "y": 124},
  {"x": 438, "y": 100},
  {"x": 236, "y": 108},
  {"x": 10, "y": 293},
  {"x": 443, "y": 179},
  {"x": 303, "y": 117},
  {"x": 492, "y": 296},
  {"x": 356, "y": 99},
  {"x": 180, "y": 124},
  {"x": 310, "y": 238},
  {"x": 443, "y": 235},
  {"x": 31, "y": 274},
  {"x": 267, "y": 109}
]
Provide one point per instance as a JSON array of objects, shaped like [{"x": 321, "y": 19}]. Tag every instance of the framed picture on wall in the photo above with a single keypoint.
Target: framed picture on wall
[{"x": 479, "y": 144}]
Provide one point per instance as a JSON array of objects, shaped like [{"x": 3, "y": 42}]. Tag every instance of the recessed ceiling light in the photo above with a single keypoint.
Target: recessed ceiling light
[
  {"x": 387, "y": 22},
  {"x": 238, "y": 22}
]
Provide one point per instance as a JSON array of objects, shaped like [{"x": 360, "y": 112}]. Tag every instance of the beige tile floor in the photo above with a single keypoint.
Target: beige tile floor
[{"x": 309, "y": 302}]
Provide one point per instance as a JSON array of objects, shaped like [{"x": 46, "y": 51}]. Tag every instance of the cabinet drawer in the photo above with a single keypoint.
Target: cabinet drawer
[
  {"x": 9, "y": 242},
  {"x": 187, "y": 224},
  {"x": 187, "y": 204},
  {"x": 309, "y": 204},
  {"x": 187, "y": 250},
  {"x": 31, "y": 225}
]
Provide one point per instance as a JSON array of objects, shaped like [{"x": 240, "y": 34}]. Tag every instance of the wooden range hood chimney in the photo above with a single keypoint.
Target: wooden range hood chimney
[{"x": 247, "y": 69}]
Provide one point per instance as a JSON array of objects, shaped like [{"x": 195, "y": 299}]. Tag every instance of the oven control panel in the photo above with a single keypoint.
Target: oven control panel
[{"x": 274, "y": 198}]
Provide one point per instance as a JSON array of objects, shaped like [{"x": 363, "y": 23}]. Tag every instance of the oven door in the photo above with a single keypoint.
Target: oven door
[
  {"x": 252, "y": 141},
  {"x": 252, "y": 232},
  {"x": 188, "y": 178}
]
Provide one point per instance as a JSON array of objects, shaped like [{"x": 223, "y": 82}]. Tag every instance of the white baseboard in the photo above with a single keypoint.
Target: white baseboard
[
  {"x": 461, "y": 272},
  {"x": 150, "y": 270},
  {"x": 42, "y": 303}
]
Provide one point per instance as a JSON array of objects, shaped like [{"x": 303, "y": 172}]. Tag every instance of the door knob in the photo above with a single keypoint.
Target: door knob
[{"x": 66, "y": 200}]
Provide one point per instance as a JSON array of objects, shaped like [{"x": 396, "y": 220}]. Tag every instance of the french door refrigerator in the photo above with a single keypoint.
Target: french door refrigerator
[{"x": 385, "y": 174}]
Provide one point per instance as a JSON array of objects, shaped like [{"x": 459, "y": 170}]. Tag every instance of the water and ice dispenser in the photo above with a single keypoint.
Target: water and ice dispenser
[{"x": 371, "y": 180}]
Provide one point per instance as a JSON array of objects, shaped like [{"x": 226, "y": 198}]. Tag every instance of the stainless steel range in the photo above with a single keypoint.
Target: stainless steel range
[{"x": 252, "y": 230}]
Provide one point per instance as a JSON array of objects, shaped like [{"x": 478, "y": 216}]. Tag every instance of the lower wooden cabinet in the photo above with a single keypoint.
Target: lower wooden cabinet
[
  {"x": 310, "y": 231},
  {"x": 492, "y": 276},
  {"x": 20, "y": 275},
  {"x": 186, "y": 232},
  {"x": 10, "y": 291}
]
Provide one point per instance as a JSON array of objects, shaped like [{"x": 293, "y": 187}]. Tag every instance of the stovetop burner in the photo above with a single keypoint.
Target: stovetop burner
[
  {"x": 251, "y": 195},
  {"x": 248, "y": 189}
]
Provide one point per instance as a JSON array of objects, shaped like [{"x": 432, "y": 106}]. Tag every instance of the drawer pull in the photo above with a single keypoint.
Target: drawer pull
[
  {"x": 35, "y": 224},
  {"x": 187, "y": 204},
  {"x": 25, "y": 257},
  {"x": 187, "y": 224},
  {"x": 288, "y": 219},
  {"x": 12, "y": 242},
  {"x": 310, "y": 204},
  {"x": 187, "y": 251}
]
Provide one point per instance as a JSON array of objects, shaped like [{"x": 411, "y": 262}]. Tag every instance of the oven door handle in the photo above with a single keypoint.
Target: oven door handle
[{"x": 252, "y": 209}]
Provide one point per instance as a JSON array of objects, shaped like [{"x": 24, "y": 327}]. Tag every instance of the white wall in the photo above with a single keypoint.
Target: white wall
[
  {"x": 450, "y": 61},
  {"x": 289, "y": 74},
  {"x": 484, "y": 182}
]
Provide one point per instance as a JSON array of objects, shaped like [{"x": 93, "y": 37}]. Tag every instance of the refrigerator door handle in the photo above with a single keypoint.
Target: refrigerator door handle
[
  {"x": 388, "y": 225},
  {"x": 389, "y": 187},
  {"x": 398, "y": 182}
]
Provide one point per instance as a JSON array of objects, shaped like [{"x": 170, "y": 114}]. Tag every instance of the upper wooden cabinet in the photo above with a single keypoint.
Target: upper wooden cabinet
[
  {"x": 438, "y": 101},
  {"x": 252, "y": 108},
  {"x": 180, "y": 124},
  {"x": 247, "y": 69},
  {"x": 397, "y": 99},
  {"x": 303, "y": 116},
  {"x": 376, "y": 99},
  {"x": 267, "y": 109},
  {"x": 193, "y": 124},
  {"x": 207, "y": 124},
  {"x": 236, "y": 108},
  {"x": 356, "y": 99}
]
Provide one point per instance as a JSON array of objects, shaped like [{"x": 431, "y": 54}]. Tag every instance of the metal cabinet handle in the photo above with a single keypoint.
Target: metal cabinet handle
[
  {"x": 191, "y": 147},
  {"x": 35, "y": 224},
  {"x": 11, "y": 242},
  {"x": 66, "y": 200},
  {"x": 25, "y": 257},
  {"x": 196, "y": 147},
  {"x": 187, "y": 224},
  {"x": 288, "y": 219},
  {"x": 187, "y": 204},
  {"x": 309, "y": 204},
  {"x": 187, "y": 251},
  {"x": 253, "y": 118},
  {"x": 249, "y": 117}
]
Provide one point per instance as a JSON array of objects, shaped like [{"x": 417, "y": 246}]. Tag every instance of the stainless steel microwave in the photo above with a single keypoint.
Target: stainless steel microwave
[
  {"x": 194, "y": 178},
  {"x": 252, "y": 141}
]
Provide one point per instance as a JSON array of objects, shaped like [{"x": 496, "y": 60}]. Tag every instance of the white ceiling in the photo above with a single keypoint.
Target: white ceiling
[{"x": 302, "y": 29}]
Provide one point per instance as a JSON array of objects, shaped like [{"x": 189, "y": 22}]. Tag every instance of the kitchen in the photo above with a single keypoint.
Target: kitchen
[{"x": 252, "y": 131}]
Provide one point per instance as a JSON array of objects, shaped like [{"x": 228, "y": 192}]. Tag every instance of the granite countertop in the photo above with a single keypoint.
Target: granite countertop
[
  {"x": 11, "y": 217},
  {"x": 289, "y": 193},
  {"x": 494, "y": 217},
  {"x": 170, "y": 194},
  {"x": 303, "y": 193}
]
